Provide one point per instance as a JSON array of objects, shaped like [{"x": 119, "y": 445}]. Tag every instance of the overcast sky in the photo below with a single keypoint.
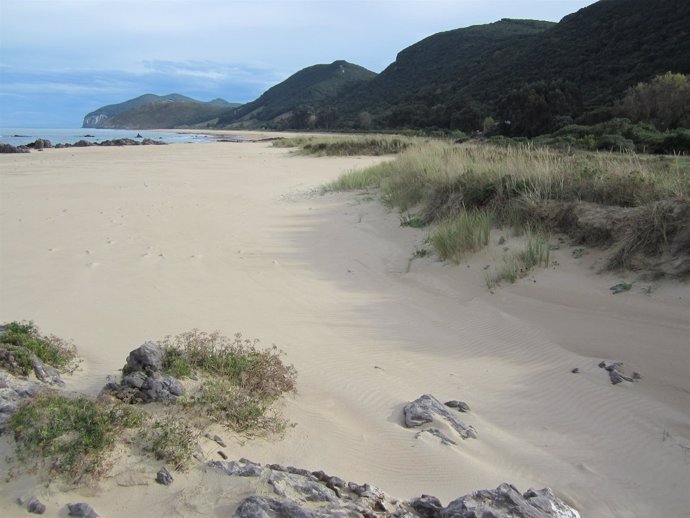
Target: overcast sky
[{"x": 60, "y": 59}]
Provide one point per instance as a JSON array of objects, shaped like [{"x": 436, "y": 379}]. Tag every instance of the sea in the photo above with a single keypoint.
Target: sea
[{"x": 21, "y": 136}]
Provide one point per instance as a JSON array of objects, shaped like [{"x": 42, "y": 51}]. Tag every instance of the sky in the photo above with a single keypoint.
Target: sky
[{"x": 60, "y": 59}]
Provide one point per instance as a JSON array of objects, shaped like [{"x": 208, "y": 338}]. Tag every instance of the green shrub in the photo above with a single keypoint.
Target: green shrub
[
  {"x": 24, "y": 340},
  {"x": 171, "y": 440},
  {"x": 75, "y": 435}
]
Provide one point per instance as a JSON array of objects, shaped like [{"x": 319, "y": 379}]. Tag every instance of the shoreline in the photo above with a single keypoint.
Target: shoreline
[{"x": 133, "y": 244}]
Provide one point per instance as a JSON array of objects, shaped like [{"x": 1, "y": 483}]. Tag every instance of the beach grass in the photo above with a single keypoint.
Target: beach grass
[
  {"x": 519, "y": 187},
  {"x": 373, "y": 145}
]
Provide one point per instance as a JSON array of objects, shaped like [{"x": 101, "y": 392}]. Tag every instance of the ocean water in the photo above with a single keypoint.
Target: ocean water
[{"x": 20, "y": 136}]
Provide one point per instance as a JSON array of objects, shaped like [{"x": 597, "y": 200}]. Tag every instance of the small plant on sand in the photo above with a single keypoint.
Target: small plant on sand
[
  {"x": 21, "y": 341},
  {"x": 171, "y": 440},
  {"x": 455, "y": 237},
  {"x": 75, "y": 435},
  {"x": 536, "y": 253}
]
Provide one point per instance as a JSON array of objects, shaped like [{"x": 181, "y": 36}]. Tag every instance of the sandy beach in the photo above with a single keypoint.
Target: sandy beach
[{"x": 111, "y": 247}]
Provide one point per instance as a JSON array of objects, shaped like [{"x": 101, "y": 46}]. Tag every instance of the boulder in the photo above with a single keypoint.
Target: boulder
[
  {"x": 506, "y": 501},
  {"x": 164, "y": 477},
  {"x": 460, "y": 406},
  {"x": 36, "y": 506},
  {"x": 423, "y": 410},
  {"x": 81, "y": 509},
  {"x": 142, "y": 380}
]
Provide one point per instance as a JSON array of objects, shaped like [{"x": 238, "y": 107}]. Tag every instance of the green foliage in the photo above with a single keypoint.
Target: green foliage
[
  {"x": 24, "y": 340},
  {"x": 664, "y": 102},
  {"x": 234, "y": 406},
  {"x": 239, "y": 361},
  {"x": 75, "y": 435}
]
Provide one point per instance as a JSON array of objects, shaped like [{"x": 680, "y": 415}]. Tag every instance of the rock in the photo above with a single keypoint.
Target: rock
[
  {"x": 437, "y": 433},
  {"x": 164, "y": 477},
  {"x": 216, "y": 438},
  {"x": 423, "y": 409},
  {"x": 148, "y": 358},
  {"x": 636, "y": 375},
  {"x": 460, "y": 406},
  {"x": 222, "y": 454},
  {"x": 138, "y": 135},
  {"x": 427, "y": 506},
  {"x": 575, "y": 370},
  {"x": 506, "y": 501},
  {"x": 298, "y": 487},
  {"x": 615, "y": 372},
  {"x": 307, "y": 496},
  {"x": 46, "y": 373},
  {"x": 12, "y": 392},
  {"x": 142, "y": 381},
  {"x": 82, "y": 509},
  {"x": 9, "y": 148},
  {"x": 237, "y": 469},
  {"x": 35, "y": 506},
  {"x": 40, "y": 144},
  {"x": 263, "y": 507}
]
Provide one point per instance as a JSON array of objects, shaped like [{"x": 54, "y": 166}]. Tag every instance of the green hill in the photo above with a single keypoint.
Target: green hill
[
  {"x": 521, "y": 69},
  {"x": 317, "y": 85},
  {"x": 156, "y": 111}
]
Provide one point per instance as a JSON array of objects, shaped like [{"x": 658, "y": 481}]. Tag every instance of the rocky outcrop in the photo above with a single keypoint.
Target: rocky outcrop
[
  {"x": 297, "y": 493},
  {"x": 616, "y": 375},
  {"x": 143, "y": 380},
  {"x": 9, "y": 148},
  {"x": 427, "y": 409}
]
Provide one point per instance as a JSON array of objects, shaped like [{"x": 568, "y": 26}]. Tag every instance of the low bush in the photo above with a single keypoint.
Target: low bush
[
  {"x": 75, "y": 435},
  {"x": 24, "y": 340}
]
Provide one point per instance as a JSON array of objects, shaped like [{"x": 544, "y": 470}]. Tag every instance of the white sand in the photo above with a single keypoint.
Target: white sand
[{"x": 114, "y": 246}]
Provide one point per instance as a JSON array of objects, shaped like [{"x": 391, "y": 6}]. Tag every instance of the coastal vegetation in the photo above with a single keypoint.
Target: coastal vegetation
[
  {"x": 372, "y": 145},
  {"x": 635, "y": 204},
  {"x": 230, "y": 382},
  {"x": 21, "y": 342}
]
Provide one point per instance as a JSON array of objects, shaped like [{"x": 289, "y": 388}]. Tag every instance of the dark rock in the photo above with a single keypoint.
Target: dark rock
[
  {"x": 263, "y": 507},
  {"x": 506, "y": 501},
  {"x": 82, "y": 509},
  {"x": 423, "y": 409},
  {"x": 164, "y": 477},
  {"x": 575, "y": 370},
  {"x": 83, "y": 143},
  {"x": 138, "y": 135},
  {"x": 460, "y": 406},
  {"x": 298, "y": 471},
  {"x": 636, "y": 375},
  {"x": 151, "y": 142},
  {"x": 300, "y": 487},
  {"x": 35, "y": 506},
  {"x": 9, "y": 148},
  {"x": 148, "y": 358},
  {"x": 46, "y": 373},
  {"x": 615, "y": 372},
  {"x": 237, "y": 469},
  {"x": 40, "y": 144},
  {"x": 216, "y": 439},
  {"x": 427, "y": 506},
  {"x": 222, "y": 455}
]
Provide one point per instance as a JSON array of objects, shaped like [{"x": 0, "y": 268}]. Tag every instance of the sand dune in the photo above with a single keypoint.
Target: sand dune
[{"x": 111, "y": 247}]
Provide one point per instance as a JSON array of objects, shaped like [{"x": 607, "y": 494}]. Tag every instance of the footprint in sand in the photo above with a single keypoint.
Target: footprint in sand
[
  {"x": 53, "y": 249},
  {"x": 196, "y": 256},
  {"x": 93, "y": 265}
]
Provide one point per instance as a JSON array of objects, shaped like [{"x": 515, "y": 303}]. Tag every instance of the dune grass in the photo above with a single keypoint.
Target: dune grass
[
  {"x": 373, "y": 145},
  {"x": 444, "y": 182},
  {"x": 457, "y": 236}
]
